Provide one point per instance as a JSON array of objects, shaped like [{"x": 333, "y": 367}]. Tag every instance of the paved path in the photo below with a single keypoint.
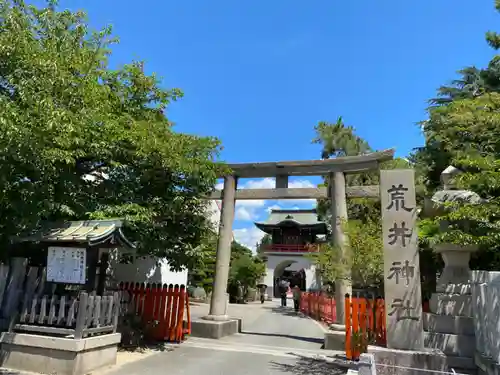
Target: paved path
[{"x": 274, "y": 341}]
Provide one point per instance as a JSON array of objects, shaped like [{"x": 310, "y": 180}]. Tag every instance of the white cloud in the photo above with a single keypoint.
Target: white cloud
[
  {"x": 264, "y": 183},
  {"x": 273, "y": 207},
  {"x": 251, "y": 210},
  {"x": 270, "y": 183},
  {"x": 247, "y": 210},
  {"x": 247, "y": 202},
  {"x": 301, "y": 184},
  {"x": 248, "y": 237},
  {"x": 245, "y": 214},
  {"x": 303, "y": 203},
  {"x": 251, "y": 203}
]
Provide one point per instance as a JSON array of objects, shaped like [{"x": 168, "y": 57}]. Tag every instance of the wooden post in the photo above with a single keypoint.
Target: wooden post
[
  {"x": 82, "y": 315},
  {"x": 339, "y": 239},
  {"x": 116, "y": 310},
  {"x": 219, "y": 297},
  {"x": 92, "y": 263},
  {"x": 17, "y": 275},
  {"x": 4, "y": 274},
  {"x": 14, "y": 315},
  {"x": 103, "y": 268}
]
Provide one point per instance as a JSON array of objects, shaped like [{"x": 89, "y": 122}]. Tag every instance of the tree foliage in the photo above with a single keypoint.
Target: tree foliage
[
  {"x": 469, "y": 130},
  {"x": 80, "y": 140},
  {"x": 338, "y": 140},
  {"x": 364, "y": 264},
  {"x": 462, "y": 130},
  {"x": 202, "y": 274},
  {"x": 363, "y": 228},
  {"x": 266, "y": 240},
  {"x": 365, "y": 253},
  {"x": 246, "y": 270},
  {"x": 435, "y": 156}
]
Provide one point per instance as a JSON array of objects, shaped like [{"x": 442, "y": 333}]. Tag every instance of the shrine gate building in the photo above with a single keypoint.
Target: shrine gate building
[{"x": 294, "y": 233}]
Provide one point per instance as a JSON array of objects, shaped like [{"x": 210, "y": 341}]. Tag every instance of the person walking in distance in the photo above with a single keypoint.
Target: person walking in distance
[
  {"x": 283, "y": 290},
  {"x": 296, "y": 298}
]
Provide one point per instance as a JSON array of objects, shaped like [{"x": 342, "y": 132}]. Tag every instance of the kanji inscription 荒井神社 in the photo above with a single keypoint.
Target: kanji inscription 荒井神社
[{"x": 403, "y": 300}]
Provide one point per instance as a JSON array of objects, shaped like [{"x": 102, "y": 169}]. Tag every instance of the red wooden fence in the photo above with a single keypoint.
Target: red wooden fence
[
  {"x": 365, "y": 324},
  {"x": 318, "y": 306},
  {"x": 364, "y": 319},
  {"x": 165, "y": 306}
]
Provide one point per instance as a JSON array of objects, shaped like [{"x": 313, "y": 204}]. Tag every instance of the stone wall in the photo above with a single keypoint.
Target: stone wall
[{"x": 486, "y": 312}]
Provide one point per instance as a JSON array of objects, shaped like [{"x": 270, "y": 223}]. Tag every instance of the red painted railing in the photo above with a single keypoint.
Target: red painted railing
[
  {"x": 364, "y": 319},
  {"x": 292, "y": 248},
  {"x": 167, "y": 306},
  {"x": 364, "y": 325},
  {"x": 319, "y": 307}
]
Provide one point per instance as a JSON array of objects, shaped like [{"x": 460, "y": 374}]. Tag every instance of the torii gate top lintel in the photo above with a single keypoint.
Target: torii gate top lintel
[
  {"x": 346, "y": 164},
  {"x": 282, "y": 170}
]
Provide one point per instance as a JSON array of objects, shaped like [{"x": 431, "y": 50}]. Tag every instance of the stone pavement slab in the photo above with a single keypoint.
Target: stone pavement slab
[
  {"x": 273, "y": 341},
  {"x": 188, "y": 360}
]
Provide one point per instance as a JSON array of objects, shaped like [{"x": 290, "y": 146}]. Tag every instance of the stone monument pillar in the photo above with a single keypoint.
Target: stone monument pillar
[
  {"x": 403, "y": 297},
  {"x": 218, "y": 302},
  {"x": 449, "y": 325},
  {"x": 405, "y": 350}
]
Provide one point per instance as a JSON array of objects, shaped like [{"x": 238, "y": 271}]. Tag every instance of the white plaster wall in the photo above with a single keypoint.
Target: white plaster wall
[
  {"x": 214, "y": 214},
  {"x": 146, "y": 270},
  {"x": 486, "y": 313},
  {"x": 298, "y": 262},
  {"x": 152, "y": 270}
]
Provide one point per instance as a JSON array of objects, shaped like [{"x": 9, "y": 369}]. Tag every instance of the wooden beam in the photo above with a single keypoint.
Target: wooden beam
[
  {"x": 300, "y": 193},
  {"x": 348, "y": 164}
]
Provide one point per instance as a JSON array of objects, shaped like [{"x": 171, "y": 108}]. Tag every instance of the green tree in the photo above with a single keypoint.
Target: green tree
[
  {"x": 469, "y": 131},
  {"x": 431, "y": 159},
  {"x": 79, "y": 140},
  {"x": 364, "y": 223},
  {"x": 202, "y": 274},
  {"x": 238, "y": 250},
  {"x": 246, "y": 270},
  {"x": 474, "y": 82},
  {"x": 266, "y": 240},
  {"x": 364, "y": 265},
  {"x": 461, "y": 130},
  {"x": 339, "y": 140}
]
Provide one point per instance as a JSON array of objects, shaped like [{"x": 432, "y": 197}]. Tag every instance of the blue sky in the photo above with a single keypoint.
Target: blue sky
[{"x": 260, "y": 74}]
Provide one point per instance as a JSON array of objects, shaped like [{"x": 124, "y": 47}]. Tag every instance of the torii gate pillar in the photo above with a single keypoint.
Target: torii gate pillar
[
  {"x": 339, "y": 239},
  {"x": 218, "y": 302}
]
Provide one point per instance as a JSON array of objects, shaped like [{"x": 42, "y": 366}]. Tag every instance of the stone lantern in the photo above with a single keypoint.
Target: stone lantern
[{"x": 449, "y": 326}]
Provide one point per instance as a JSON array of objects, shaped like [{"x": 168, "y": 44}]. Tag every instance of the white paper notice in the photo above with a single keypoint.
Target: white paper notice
[{"x": 66, "y": 265}]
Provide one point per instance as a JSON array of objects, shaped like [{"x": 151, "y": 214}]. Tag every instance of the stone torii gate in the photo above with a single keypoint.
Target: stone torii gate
[{"x": 335, "y": 169}]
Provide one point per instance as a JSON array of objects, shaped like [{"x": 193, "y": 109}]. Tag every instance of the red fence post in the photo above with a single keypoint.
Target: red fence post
[
  {"x": 187, "y": 330},
  {"x": 173, "y": 314},
  {"x": 363, "y": 331},
  {"x": 348, "y": 328},
  {"x": 180, "y": 314}
]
